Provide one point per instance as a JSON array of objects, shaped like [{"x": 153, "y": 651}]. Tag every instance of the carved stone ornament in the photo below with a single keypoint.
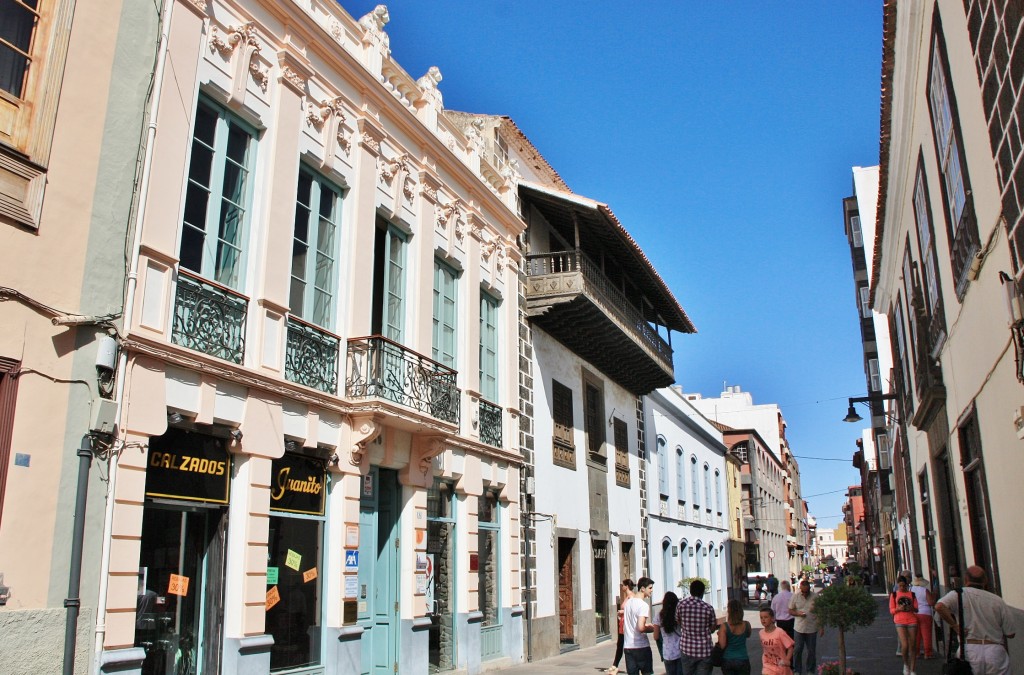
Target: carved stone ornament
[
  {"x": 364, "y": 430},
  {"x": 294, "y": 78},
  {"x": 431, "y": 194},
  {"x": 200, "y": 5},
  {"x": 409, "y": 189},
  {"x": 370, "y": 142},
  {"x": 373, "y": 27},
  {"x": 499, "y": 259},
  {"x": 318, "y": 113},
  {"x": 460, "y": 228},
  {"x": 390, "y": 167},
  {"x": 260, "y": 75},
  {"x": 475, "y": 135},
  {"x": 487, "y": 248},
  {"x": 510, "y": 172},
  {"x": 431, "y": 79},
  {"x": 336, "y": 31},
  {"x": 245, "y": 34},
  {"x": 445, "y": 212}
]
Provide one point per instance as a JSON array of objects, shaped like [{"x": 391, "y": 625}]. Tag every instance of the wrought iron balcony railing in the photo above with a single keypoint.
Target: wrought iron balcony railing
[
  {"x": 965, "y": 246},
  {"x": 490, "y": 423},
  {"x": 209, "y": 318},
  {"x": 612, "y": 299},
  {"x": 311, "y": 356},
  {"x": 381, "y": 368}
]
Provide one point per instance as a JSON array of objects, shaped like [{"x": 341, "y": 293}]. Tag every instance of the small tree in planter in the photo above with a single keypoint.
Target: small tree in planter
[
  {"x": 845, "y": 608},
  {"x": 684, "y": 586}
]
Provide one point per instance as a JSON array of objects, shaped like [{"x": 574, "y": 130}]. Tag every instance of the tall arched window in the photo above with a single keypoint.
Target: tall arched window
[
  {"x": 680, "y": 475},
  {"x": 694, "y": 481},
  {"x": 707, "y": 487},
  {"x": 662, "y": 466},
  {"x": 684, "y": 567},
  {"x": 713, "y": 575},
  {"x": 666, "y": 563},
  {"x": 718, "y": 491}
]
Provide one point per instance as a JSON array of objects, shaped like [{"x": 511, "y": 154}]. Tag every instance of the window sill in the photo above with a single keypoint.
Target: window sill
[{"x": 599, "y": 463}]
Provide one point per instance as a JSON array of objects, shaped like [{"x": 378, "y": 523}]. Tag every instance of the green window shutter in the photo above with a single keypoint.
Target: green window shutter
[
  {"x": 488, "y": 347},
  {"x": 444, "y": 311},
  {"x": 217, "y": 197},
  {"x": 394, "y": 285}
]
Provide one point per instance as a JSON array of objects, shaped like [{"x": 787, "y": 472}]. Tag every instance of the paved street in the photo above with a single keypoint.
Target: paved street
[{"x": 869, "y": 651}]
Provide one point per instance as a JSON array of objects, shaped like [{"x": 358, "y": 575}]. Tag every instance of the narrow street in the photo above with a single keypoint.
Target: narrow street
[{"x": 870, "y": 651}]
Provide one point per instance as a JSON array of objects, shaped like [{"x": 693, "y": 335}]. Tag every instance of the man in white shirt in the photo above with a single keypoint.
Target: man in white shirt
[
  {"x": 636, "y": 623},
  {"x": 987, "y": 620}
]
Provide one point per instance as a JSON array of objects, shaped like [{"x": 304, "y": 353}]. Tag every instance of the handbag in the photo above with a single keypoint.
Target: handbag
[
  {"x": 957, "y": 665},
  {"x": 717, "y": 656}
]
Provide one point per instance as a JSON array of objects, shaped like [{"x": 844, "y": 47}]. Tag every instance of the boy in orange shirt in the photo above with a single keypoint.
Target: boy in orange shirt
[{"x": 777, "y": 646}]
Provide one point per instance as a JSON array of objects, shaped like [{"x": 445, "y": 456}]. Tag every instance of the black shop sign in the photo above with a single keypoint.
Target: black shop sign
[
  {"x": 298, "y": 485},
  {"x": 188, "y": 465}
]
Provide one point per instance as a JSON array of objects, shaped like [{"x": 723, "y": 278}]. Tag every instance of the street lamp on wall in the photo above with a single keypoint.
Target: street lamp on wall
[{"x": 851, "y": 412}]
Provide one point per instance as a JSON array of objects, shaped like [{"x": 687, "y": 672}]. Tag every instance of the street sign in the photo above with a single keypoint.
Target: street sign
[
  {"x": 351, "y": 561},
  {"x": 771, "y": 554}
]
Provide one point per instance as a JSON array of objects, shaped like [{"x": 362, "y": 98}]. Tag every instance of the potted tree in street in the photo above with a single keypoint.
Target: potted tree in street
[{"x": 845, "y": 608}]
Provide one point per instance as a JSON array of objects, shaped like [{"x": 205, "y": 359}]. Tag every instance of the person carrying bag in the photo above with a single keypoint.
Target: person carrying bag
[{"x": 957, "y": 665}]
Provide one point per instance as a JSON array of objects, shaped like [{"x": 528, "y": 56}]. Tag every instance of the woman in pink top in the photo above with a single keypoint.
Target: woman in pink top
[
  {"x": 776, "y": 646},
  {"x": 903, "y": 607}
]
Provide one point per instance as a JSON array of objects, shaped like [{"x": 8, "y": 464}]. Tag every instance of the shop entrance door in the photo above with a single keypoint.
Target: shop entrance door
[
  {"x": 441, "y": 577},
  {"x": 378, "y": 571},
  {"x": 180, "y": 605},
  {"x": 566, "y": 611}
]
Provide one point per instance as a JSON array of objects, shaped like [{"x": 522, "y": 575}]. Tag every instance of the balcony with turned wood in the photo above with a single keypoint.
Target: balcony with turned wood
[{"x": 592, "y": 288}]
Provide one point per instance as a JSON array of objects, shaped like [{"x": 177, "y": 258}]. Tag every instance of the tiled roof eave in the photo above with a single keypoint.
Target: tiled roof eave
[{"x": 885, "y": 135}]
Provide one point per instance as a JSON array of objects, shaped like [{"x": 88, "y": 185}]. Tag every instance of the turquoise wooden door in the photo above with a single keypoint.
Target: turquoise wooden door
[{"x": 378, "y": 572}]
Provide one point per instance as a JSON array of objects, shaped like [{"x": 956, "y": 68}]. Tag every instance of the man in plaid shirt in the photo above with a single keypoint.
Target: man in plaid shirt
[{"x": 697, "y": 622}]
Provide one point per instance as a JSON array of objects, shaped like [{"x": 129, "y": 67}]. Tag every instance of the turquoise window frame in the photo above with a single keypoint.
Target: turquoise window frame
[
  {"x": 445, "y": 313},
  {"x": 315, "y": 303},
  {"x": 680, "y": 475},
  {"x": 489, "y": 306},
  {"x": 694, "y": 481},
  {"x": 494, "y": 526},
  {"x": 661, "y": 449},
  {"x": 223, "y": 243},
  {"x": 394, "y": 284}
]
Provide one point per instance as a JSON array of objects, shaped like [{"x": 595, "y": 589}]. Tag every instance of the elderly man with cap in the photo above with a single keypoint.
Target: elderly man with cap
[{"x": 987, "y": 620}]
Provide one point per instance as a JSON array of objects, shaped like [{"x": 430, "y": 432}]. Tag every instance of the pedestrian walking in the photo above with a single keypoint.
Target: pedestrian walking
[
  {"x": 780, "y": 603},
  {"x": 776, "y": 646},
  {"x": 987, "y": 624},
  {"x": 667, "y": 629},
  {"x": 732, "y": 639},
  {"x": 925, "y": 602},
  {"x": 773, "y": 586},
  {"x": 625, "y": 593},
  {"x": 903, "y": 607},
  {"x": 635, "y": 625},
  {"x": 759, "y": 588},
  {"x": 806, "y": 630},
  {"x": 895, "y": 587},
  {"x": 697, "y": 621}
]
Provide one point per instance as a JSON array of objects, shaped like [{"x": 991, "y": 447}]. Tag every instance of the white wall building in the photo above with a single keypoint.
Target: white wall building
[
  {"x": 687, "y": 528},
  {"x": 827, "y": 546}
]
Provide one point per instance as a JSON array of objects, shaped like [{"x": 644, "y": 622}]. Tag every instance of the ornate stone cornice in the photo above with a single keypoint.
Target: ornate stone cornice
[
  {"x": 295, "y": 72},
  {"x": 370, "y": 135},
  {"x": 200, "y": 7}
]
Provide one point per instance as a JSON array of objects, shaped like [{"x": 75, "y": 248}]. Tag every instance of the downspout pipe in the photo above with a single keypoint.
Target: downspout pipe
[
  {"x": 129, "y": 309},
  {"x": 73, "y": 602}
]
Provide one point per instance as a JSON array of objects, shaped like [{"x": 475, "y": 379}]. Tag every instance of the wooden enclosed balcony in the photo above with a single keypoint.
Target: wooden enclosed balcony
[
  {"x": 569, "y": 297},
  {"x": 591, "y": 288}
]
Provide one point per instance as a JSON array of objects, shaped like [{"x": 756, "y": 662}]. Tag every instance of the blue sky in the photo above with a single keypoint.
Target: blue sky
[{"x": 722, "y": 134}]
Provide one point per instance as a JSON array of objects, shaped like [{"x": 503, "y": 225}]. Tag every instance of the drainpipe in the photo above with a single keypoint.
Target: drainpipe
[
  {"x": 129, "y": 308},
  {"x": 526, "y": 565},
  {"x": 73, "y": 602}
]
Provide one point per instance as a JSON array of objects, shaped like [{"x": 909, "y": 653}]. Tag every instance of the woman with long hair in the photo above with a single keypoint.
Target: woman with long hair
[
  {"x": 903, "y": 607},
  {"x": 732, "y": 638},
  {"x": 665, "y": 626}
]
